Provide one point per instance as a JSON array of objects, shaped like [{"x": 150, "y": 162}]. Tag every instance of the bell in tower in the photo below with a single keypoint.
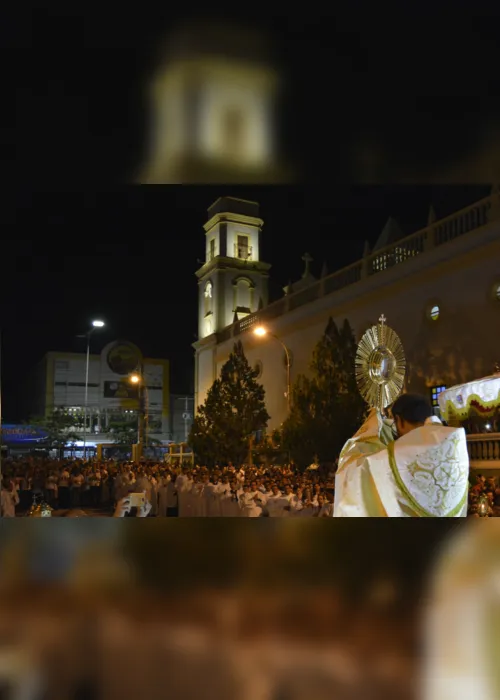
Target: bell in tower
[{"x": 213, "y": 103}]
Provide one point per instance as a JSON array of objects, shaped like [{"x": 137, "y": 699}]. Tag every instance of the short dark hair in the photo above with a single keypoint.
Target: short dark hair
[{"x": 412, "y": 408}]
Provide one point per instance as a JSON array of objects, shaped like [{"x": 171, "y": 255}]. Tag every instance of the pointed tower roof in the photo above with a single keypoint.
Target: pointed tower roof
[{"x": 390, "y": 234}]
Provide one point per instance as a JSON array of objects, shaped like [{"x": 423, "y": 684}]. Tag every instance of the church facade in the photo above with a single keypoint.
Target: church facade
[{"x": 439, "y": 289}]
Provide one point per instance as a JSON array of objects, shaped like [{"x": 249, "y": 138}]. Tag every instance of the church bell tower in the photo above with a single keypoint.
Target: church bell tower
[
  {"x": 233, "y": 282},
  {"x": 213, "y": 109}
]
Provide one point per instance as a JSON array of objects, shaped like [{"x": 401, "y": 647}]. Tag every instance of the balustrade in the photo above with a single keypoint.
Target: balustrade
[{"x": 484, "y": 450}]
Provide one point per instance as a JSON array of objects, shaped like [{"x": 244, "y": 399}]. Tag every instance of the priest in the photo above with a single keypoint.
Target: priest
[{"x": 408, "y": 467}]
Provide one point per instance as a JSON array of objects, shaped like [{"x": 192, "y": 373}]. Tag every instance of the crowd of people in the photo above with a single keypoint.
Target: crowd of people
[{"x": 171, "y": 490}]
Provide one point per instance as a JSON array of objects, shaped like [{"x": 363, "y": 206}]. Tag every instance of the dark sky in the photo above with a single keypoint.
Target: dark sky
[
  {"x": 129, "y": 256},
  {"x": 410, "y": 90}
]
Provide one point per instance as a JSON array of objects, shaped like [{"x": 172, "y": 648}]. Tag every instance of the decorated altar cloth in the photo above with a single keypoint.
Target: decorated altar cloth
[{"x": 481, "y": 396}]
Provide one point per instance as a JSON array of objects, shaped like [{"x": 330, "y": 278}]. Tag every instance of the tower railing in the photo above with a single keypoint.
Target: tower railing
[{"x": 243, "y": 252}]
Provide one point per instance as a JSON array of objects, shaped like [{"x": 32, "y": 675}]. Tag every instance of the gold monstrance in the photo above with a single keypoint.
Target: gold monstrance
[{"x": 380, "y": 365}]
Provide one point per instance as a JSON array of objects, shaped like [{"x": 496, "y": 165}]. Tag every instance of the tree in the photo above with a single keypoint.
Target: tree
[
  {"x": 59, "y": 427},
  {"x": 326, "y": 407},
  {"x": 233, "y": 411}
]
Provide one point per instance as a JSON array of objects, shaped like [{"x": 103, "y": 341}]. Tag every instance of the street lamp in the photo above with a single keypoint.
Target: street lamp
[
  {"x": 137, "y": 378},
  {"x": 95, "y": 324},
  {"x": 260, "y": 332}
]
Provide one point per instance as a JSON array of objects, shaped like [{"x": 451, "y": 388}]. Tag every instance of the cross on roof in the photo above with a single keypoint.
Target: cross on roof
[
  {"x": 308, "y": 260},
  {"x": 382, "y": 319}
]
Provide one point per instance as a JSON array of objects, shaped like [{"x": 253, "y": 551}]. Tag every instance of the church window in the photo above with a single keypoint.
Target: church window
[
  {"x": 242, "y": 249},
  {"x": 435, "y": 392},
  {"x": 208, "y": 294},
  {"x": 434, "y": 312},
  {"x": 211, "y": 251},
  {"x": 496, "y": 291}
]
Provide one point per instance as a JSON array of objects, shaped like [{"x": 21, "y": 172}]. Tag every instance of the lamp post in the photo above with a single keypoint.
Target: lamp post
[
  {"x": 260, "y": 331},
  {"x": 138, "y": 379},
  {"x": 95, "y": 324}
]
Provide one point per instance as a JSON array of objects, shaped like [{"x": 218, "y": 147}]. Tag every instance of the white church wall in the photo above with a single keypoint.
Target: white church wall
[
  {"x": 204, "y": 373},
  {"x": 457, "y": 347},
  {"x": 461, "y": 277}
]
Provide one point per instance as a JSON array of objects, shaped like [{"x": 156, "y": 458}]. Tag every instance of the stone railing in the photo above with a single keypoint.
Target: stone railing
[
  {"x": 484, "y": 451},
  {"x": 436, "y": 234}
]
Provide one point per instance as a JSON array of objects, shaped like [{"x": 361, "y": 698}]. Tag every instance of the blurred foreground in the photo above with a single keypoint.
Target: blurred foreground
[{"x": 114, "y": 609}]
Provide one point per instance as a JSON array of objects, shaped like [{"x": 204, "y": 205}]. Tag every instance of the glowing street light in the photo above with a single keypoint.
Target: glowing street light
[
  {"x": 137, "y": 378},
  {"x": 95, "y": 324},
  {"x": 261, "y": 331}
]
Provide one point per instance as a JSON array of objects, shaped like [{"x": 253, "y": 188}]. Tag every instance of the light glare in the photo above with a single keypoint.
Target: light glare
[
  {"x": 98, "y": 324},
  {"x": 260, "y": 331}
]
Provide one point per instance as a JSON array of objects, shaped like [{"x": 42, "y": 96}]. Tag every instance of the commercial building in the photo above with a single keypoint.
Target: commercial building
[{"x": 113, "y": 401}]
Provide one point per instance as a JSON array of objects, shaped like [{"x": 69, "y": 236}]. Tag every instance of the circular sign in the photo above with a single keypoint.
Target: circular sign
[{"x": 124, "y": 358}]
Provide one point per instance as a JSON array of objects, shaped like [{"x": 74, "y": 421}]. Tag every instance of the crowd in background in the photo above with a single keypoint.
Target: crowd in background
[{"x": 171, "y": 489}]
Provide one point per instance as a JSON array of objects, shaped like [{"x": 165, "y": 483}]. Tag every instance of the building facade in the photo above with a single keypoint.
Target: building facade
[
  {"x": 439, "y": 288},
  {"x": 113, "y": 401}
]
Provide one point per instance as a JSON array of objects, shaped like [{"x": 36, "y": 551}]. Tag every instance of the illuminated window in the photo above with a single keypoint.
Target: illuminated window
[
  {"x": 208, "y": 298},
  {"x": 496, "y": 292},
  {"x": 434, "y": 312},
  {"x": 435, "y": 392}
]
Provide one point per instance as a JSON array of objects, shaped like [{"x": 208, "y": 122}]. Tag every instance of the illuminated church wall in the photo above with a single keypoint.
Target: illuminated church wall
[{"x": 461, "y": 278}]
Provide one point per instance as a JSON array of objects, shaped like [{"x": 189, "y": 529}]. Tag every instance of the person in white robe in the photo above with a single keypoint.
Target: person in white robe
[
  {"x": 325, "y": 507},
  {"x": 462, "y": 617},
  {"x": 143, "y": 485},
  {"x": 172, "y": 497},
  {"x": 250, "y": 503},
  {"x": 9, "y": 499},
  {"x": 162, "y": 496},
  {"x": 232, "y": 507},
  {"x": 211, "y": 503},
  {"x": 221, "y": 491},
  {"x": 409, "y": 468},
  {"x": 197, "y": 502},
  {"x": 297, "y": 503},
  {"x": 184, "y": 485}
]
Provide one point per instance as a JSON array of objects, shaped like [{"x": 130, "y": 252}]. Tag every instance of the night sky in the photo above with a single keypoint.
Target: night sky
[
  {"x": 78, "y": 242},
  {"x": 410, "y": 89}
]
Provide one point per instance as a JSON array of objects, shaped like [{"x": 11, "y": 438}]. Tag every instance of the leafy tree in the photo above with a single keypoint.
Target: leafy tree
[
  {"x": 59, "y": 427},
  {"x": 326, "y": 407},
  {"x": 233, "y": 411}
]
